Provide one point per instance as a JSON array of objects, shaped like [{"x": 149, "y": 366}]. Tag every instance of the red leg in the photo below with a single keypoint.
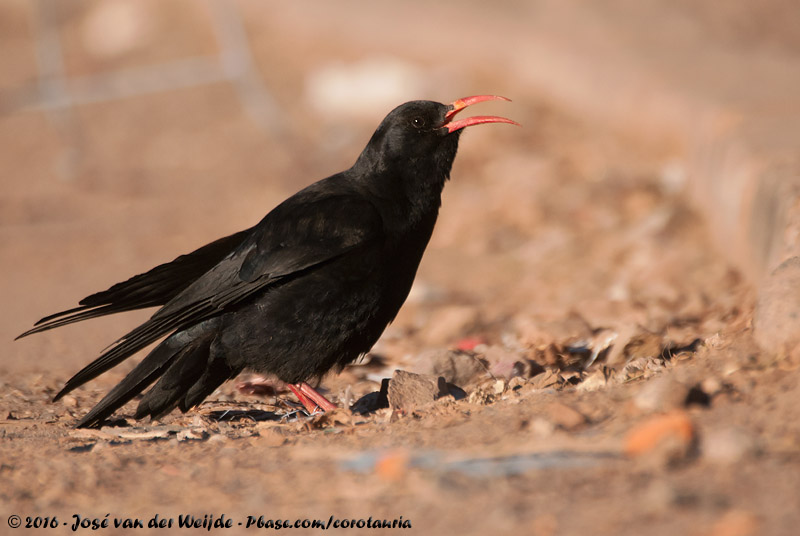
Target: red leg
[
  {"x": 323, "y": 403},
  {"x": 310, "y": 406}
]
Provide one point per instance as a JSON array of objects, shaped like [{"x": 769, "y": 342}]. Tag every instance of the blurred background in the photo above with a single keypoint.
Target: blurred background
[
  {"x": 133, "y": 131},
  {"x": 651, "y": 190}
]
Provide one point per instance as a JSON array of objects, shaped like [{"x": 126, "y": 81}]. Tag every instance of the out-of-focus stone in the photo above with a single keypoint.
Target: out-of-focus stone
[
  {"x": 393, "y": 466},
  {"x": 547, "y": 379},
  {"x": 664, "y": 438},
  {"x": 776, "y": 322},
  {"x": 661, "y": 394},
  {"x": 507, "y": 363},
  {"x": 270, "y": 437},
  {"x": 565, "y": 417},
  {"x": 711, "y": 386},
  {"x": 116, "y": 27},
  {"x": 736, "y": 523},
  {"x": 450, "y": 323},
  {"x": 379, "y": 82},
  {"x": 542, "y": 427},
  {"x": 727, "y": 445}
]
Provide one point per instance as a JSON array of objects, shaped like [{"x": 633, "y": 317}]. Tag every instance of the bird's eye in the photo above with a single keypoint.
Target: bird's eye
[{"x": 418, "y": 122}]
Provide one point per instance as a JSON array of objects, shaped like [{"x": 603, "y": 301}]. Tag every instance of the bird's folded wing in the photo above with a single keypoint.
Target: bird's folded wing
[{"x": 293, "y": 238}]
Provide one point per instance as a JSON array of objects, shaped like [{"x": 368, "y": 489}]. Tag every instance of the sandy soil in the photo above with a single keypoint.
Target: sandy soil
[{"x": 557, "y": 243}]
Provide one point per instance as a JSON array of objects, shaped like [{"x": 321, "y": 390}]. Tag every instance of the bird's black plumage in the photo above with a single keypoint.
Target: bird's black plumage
[{"x": 309, "y": 288}]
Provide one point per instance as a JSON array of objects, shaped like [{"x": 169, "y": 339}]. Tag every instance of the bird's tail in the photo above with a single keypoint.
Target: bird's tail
[{"x": 188, "y": 372}]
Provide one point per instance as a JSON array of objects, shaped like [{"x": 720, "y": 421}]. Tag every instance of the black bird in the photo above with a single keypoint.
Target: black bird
[{"x": 310, "y": 288}]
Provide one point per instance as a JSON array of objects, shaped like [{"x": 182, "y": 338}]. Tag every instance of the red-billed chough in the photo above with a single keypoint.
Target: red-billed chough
[{"x": 310, "y": 288}]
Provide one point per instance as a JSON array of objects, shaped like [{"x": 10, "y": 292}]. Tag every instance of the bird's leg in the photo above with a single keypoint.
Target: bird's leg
[
  {"x": 323, "y": 403},
  {"x": 310, "y": 406}
]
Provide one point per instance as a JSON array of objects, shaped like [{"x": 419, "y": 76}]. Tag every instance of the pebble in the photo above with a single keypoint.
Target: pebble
[
  {"x": 565, "y": 417},
  {"x": 499, "y": 387},
  {"x": 736, "y": 523},
  {"x": 379, "y": 81},
  {"x": 270, "y": 437},
  {"x": 711, "y": 386},
  {"x": 190, "y": 434},
  {"x": 392, "y": 466},
  {"x": 547, "y": 379},
  {"x": 450, "y": 323},
  {"x": 661, "y": 394},
  {"x": 727, "y": 445},
  {"x": 542, "y": 427},
  {"x": 665, "y": 438}
]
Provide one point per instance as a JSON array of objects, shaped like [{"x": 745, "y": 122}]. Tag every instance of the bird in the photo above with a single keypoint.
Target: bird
[{"x": 308, "y": 289}]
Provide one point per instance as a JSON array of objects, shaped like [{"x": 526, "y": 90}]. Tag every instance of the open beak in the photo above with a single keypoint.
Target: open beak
[{"x": 460, "y": 104}]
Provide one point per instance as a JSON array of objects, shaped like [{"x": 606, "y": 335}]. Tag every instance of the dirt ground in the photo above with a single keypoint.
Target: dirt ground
[{"x": 557, "y": 243}]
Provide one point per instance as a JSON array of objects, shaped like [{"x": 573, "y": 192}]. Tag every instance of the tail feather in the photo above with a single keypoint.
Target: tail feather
[
  {"x": 129, "y": 344},
  {"x": 215, "y": 374},
  {"x": 182, "y": 360},
  {"x": 134, "y": 383},
  {"x": 188, "y": 380},
  {"x": 79, "y": 314}
]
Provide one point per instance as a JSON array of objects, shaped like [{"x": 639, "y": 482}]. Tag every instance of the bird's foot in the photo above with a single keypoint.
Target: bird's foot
[
  {"x": 260, "y": 386},
  {"x": 310, "y": 398}
]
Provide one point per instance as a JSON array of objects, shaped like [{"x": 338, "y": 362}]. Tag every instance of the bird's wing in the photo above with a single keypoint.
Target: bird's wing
[
  {"x": 299, "y": 235},
  {"x": 150, "y": 289}
]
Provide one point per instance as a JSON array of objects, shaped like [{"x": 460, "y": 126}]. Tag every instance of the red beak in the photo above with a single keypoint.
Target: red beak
[{"x": 460, "y": 104}]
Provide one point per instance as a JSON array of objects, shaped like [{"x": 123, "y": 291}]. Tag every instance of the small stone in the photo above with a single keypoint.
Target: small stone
[
  {"x": 659, "y": 497},
  {"x": 736, "y": 523},
  {"x": 547, "y": 379},
  {"x": 593, "y": 381},
  {"x": 116, "y": 27},
  {"x": 449, "y": 323},
  {"x": 69, "y": 401},
  {"x": 727, "y": 445},
  {"x": 665, "y": 438},
  {"x": 565, "y": 417},
  {"x": 147, "y": 434},
  {"x": 644, "y": 345},
  {"x": 711, "y": 386},
  {"x": 392, "y": 466},
  {"x": 661, "y": 394},
  {"x": 504, "y": 363},
  {"x": 482, "y": 395},
  {"x": 408, "y": 391},
  {"x": 271, "y": 437},
  {"x": 379, "y": 81},
  {"x": 336, "y": 417},
  {"x": 191, "y": 434},
  {"x": 516, "y": 382},
  {"x": 499, "y": 387},
  {"x": 542, "y": 427},
  {"x": 714, "y": 342},
  {"x": 217, "y": 438}
]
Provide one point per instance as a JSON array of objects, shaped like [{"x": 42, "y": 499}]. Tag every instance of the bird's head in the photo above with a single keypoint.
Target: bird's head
[{"x": 423, "y": 135}]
